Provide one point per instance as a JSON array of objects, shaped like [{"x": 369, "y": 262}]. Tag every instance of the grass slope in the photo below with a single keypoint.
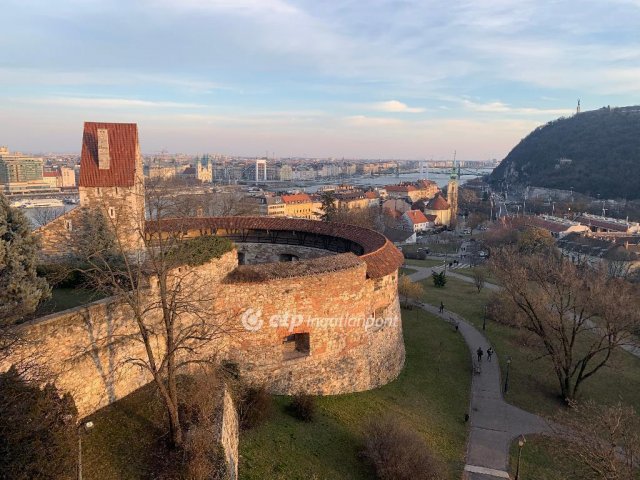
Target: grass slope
[
  {"x": 532, "y": 382},
  {"x": 431, "y": 393}
]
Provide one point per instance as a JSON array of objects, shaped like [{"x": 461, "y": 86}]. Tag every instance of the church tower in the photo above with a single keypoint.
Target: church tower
[
  {"x": 452, "y": 192},
  {"x": 111, "y": 178}
]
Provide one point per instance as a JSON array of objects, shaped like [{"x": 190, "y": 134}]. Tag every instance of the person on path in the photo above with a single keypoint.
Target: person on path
[
  {"x": 489, "y": 353},
  {"x": 441, "y": 307},
  {"x": 480, "y": 353}
]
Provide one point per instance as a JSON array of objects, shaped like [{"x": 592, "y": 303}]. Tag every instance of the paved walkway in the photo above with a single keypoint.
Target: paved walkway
[{"x": 494, "y": 423}]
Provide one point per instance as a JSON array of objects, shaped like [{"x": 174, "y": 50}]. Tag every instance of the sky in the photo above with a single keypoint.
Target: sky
[{"x": 330, "y": 78}]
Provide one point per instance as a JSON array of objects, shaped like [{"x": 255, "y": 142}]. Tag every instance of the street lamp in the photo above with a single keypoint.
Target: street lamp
[
  {"x": 521, "y": 442},
  {"x": 484, "y": 319},
  {"x": 83, "y": 428},
  {"x": 506, "y": 377}
]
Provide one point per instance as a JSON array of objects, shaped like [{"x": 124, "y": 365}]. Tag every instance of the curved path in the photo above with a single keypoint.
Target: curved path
[{"x": 494, "y": 423}]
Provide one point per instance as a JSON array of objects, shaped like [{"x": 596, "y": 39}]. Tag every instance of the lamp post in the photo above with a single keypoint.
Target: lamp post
[
  {"x": 484, "y": 319},
  {"x": 506, "y": 377},
  {"x": 521, "y": 442},
  {"x": 83, "y": 428}
]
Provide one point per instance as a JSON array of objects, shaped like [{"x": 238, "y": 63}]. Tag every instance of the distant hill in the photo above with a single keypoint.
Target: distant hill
[{"x": 596, "y": 152}]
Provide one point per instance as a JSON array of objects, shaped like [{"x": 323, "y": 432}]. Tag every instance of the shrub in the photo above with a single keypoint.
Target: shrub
[
  {"x": 439, "y": 279},
  {"x": 63, "y": 275},
  {"x": 399, "y": 453},
  {"x": 198, "y": 251},
  {"x": 254, "y": 405},
  {"x": 303, "y": 407},
  {"x": 38, "y": 436}
]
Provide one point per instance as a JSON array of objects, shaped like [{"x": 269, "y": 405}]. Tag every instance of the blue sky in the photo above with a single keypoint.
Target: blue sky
[{"x": 375, "y": 78}]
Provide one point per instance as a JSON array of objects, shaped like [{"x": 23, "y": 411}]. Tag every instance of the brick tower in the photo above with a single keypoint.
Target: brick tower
[{"x": 111, "y": 178}]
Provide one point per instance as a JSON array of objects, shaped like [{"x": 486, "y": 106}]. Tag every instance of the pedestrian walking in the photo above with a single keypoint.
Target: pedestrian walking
[
  {"x": 489, "y": 353},
  {"x": 480, "y": 353},
  {"x": 441, "y": 307}
]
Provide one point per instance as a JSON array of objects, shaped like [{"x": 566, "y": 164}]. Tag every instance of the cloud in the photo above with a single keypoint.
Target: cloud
[
  {"x": 107, "y": 103},
  {"x": 500, "y": 107},
  {"x": 394, "y": 106}
]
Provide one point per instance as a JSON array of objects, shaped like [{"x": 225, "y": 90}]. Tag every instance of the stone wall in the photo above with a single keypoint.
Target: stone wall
[
  {"x": 91, "y": 351},
  {"x": 227, "y": 433},
  {"x": 271, "y": 252}
]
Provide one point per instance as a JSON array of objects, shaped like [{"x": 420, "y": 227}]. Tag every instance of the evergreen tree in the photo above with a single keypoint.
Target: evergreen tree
[
  {"x": 329, "y": 208},
  {"x": 21, "y": 290}
]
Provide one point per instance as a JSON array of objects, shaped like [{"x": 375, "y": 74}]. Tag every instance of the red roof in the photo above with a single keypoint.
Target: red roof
[
  {"x": 437, "y": 203},
  {"x": 51, "y": 174},
  {"x": 123, "y": 154},
  {"x": 371, "y": 195},
  {"x": 400, "y": 188},
  {"x": 416, "y": 216},
  {"x": 297, "y": 198},
  {"x": 426, "y": 183}
]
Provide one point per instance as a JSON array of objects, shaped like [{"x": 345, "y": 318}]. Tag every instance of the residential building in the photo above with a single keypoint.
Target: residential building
[
  {"x": 556, "y": 226},
  {"x": 597, "y": 223},
  {"x": 422, "y": 189},
  {"x": 415, "y": 221},
  {"x": 299, "y": 205},
  {"x": 286, "y": 173},
  {"x": 272, "y": 206},
  {"x": 15, "y": 167}
]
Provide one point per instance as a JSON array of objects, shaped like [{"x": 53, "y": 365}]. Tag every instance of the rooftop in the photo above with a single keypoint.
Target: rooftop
[
  {"x": 121, "y": 149},
  {"x": 437, "y": 203}
]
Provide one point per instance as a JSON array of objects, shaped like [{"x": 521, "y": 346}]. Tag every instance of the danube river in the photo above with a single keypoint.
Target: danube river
[{"x": 365, "y": 181}]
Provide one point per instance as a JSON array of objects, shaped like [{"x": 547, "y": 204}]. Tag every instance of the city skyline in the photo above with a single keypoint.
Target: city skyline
[{"x": 370, "y": 80}]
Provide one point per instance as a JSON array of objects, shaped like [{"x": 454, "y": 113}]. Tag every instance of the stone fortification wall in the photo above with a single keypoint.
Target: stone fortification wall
[
  {"x": 332, "y": 332},
  {"x": 271, "y": 253}
]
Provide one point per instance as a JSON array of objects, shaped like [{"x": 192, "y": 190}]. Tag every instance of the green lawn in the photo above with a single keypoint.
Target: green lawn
[
  {"x": 532, "y": 383},
  {"x": 65, "y": 298},
  {"x": 483, "y": 268},
  {"x": 406, "y": 271},
  {"x": 539, "y": 461},
  {"x": 439, "y": 248},
  {"x": 431, "y": 393},
  {"x": 450, "y": 247},
  {"x": 124, "y": 439}
]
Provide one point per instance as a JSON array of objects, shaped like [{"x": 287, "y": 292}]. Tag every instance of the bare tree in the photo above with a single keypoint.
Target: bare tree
[
  {"x": 604, "y": 439},
  {"x": 579, "y": 315},
  {"x": 479, "y": 278},
  {"x": 42, "y": 216},
  {"x": 153, "y": 271},
  {"x": 475, "y": 220},
  {"x": 409, "y": 290},
  {"x": 368, "y": 217}
]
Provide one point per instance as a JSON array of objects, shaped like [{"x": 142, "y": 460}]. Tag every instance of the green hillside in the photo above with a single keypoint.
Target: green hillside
[{"x": 596, "y": 152}]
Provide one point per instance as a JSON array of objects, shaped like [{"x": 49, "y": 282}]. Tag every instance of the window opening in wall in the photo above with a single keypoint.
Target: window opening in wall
[
  {"x": 241, "y": 259},
  {"x": 288, "y": 257},
  {"x": 112, "y": 212},
  {"x": 68, "y": 225},
  {"x": 296, "y": 345}
]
